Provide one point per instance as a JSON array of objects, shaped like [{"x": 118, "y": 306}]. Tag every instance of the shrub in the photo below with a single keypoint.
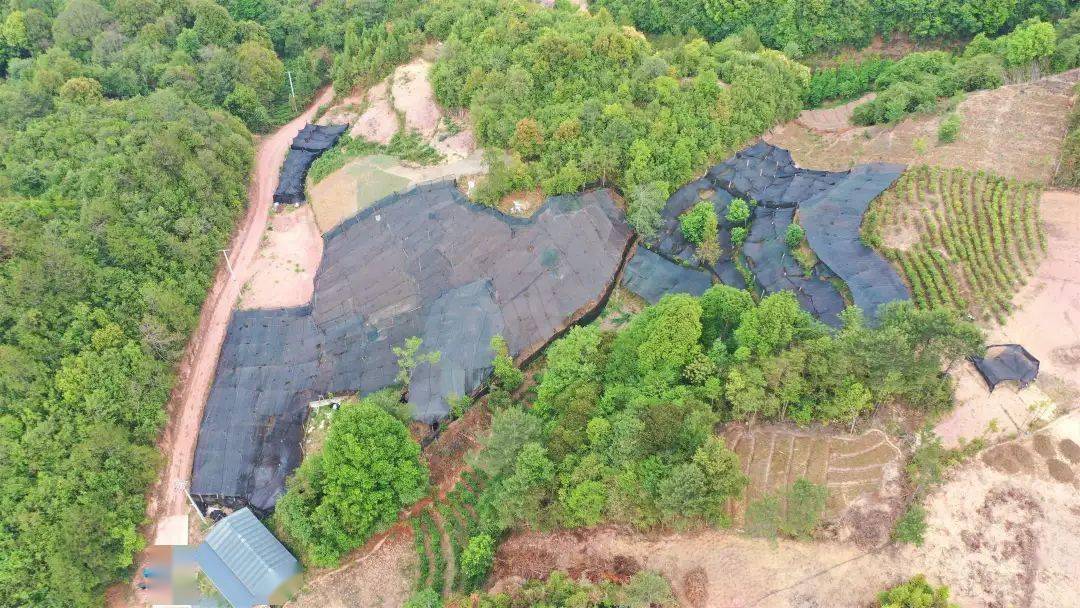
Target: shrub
[
  {"x": 794, "y": 236},
  {"x": 845, "y": 81},
  {"x": 916, "y": 593},
  {"x": 368, "y": 469},
  {"x": 949, "y": 128},
  {"x": 476, "y": 560},
  {"x": 506, "y": 372},
  {"x": 425, "y": 598},
  {"x": 984, "y": 71},
  {"x": 738, "y": 212},
  {"x": 738, "y": 236},
  {"x": 696, "y": 222},
  {"x": 911, "y": 527},
  {"x": 805, "y": 504}
]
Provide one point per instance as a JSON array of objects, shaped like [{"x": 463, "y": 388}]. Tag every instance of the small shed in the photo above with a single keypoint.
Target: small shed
[{"x": 246, "y": 564}]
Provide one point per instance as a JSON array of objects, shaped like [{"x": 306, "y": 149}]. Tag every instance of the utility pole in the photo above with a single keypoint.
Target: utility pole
[
  {"x": 228, "y": 264},
  {"x": 292, "y": 91}
]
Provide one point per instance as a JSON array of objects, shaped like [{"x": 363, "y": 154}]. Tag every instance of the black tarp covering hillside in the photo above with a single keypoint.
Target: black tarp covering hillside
[
  {"x": 651, "y": 276},
  {"x": 425, "y": 263},
  {"x": 776, "y": 270},
  {"x": 307, "y": 146},
  {"x": 830, "y": 207}
]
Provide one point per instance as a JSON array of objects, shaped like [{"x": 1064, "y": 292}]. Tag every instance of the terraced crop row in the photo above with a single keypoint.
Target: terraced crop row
[
  {"x": 442, "y": 531},
  {"x": 849, "y": 466},
  {"x": 978, "y": 237}
]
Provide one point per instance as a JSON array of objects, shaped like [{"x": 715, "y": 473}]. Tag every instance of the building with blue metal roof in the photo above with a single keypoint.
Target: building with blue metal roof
[{"x": 247, "y": 565}]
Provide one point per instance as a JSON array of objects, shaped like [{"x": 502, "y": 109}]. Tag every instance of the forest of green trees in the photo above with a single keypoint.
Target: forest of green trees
[{"x": 800, "y": 28}]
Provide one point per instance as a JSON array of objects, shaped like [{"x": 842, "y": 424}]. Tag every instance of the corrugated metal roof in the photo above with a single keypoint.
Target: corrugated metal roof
[{"x": 244, "y": 560}]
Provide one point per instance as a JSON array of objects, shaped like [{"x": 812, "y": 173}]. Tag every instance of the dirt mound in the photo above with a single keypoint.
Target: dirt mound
[
  {"x": 1060, "y": 471},
  {"x": 695, "y": 586},
  {"x": 1070, "y": 449},
  {"x": 1010, "y": 458},
  {"x": 1044, "y": 446},
  {"x": 1013, "y": 131}
]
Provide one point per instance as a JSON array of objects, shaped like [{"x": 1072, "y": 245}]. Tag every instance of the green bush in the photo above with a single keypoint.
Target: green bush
[
  {"x": 794, "y": 235},
  {"x": 476, "y": 560},
  {"x": 983, "y": 71},
  {"x": 916, "y": 593},
  {"x": 949, "y": 128},
  {"x": 425, "y": 598},
  {"x": 738, "y": 212},
  {"x": 368, "y": 470},
  {"x": 507, "y": 374},
  {"x": 911, "y": 527},
  {"x": 738, "y": 236},
  {"x": 697, "y": 222},
  {"x": 845, "y": 81}
]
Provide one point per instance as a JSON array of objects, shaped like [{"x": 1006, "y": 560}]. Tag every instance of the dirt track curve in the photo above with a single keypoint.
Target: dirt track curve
[{"x": 196, "y": 370}]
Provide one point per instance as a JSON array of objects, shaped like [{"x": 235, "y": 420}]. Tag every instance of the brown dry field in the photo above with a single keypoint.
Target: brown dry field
[
  {"x": 864, "y": 468},
  {"x": 1014, "y": 131}
]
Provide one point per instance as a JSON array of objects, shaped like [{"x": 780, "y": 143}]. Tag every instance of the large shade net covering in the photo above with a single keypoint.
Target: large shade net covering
[
  {"x": 1004, "y": 362},
  {"x": 830, "y": 206},
  {"x": 775, "y": 269},
  {"x": 425, "y": 263},
  {"x": 307, "y": 146},
  {"x": 651, "y": 276}
]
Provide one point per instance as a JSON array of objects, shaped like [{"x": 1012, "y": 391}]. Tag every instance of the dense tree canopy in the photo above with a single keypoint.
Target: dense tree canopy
[
  {"x": 111, "y": 216},
  {"x": 622, "y": 424},
  {"x": 579, "y": 99},
  {"x": 367, "y": 471},
  {"x": 806, "y": 27}
]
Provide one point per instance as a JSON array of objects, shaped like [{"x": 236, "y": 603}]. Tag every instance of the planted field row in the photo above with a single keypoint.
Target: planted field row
[
  {"x": 965, "y": 240},
  {"x": 442, "y": 531}
]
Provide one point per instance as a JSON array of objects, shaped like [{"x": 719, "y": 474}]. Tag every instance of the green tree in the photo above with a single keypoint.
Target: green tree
[
  {"x": 646, "y": 203},
  {"x": 244, "y": 103},
  {"x": 409, "y": 356},
  {"x": 794, "y": 235},
  {"x": 911, "y": 527},
  {"x": 368, "y": 470},
  {"x": 511, "y": 429},
  {"x": 805, "y": 502},
  {"x": 476, "y": 560},
  {"x": 738, "y": 212},
  {"x": 695, "y": 222},
  {"x": 722, "y": 307},
  {"x": 506, "y": 372}
]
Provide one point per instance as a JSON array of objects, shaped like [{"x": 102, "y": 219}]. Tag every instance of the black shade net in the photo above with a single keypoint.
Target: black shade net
[
  {"x": 425, "y": 263},
  {"x": 1005, "y": 362},
  {"x": 307, "y": 146}
]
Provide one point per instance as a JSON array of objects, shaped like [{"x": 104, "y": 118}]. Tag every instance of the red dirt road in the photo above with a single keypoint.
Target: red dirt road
[{"x": 196, "y": 371}]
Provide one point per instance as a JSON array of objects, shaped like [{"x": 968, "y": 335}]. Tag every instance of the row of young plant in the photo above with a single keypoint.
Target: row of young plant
[
  {"x": 471, "y": 550},
  {"x": 977, "y": 233}
]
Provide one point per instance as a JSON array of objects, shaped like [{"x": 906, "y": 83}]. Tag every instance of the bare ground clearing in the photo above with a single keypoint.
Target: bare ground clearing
[
  {"x": 1013, "y": 131},
  {"x": 283, "y": 274}
]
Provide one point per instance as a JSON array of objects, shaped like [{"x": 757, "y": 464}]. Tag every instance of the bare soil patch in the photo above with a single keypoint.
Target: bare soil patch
[
  {"x": 1070, "y": 449},
  {"x": 863, "y": 468},
  {"x": 1013, "y": 131},
  {"x": 695, "y": 587},
  {"x": 283, "y": 274},
  {"x": 834, "y": 119},
  {"x": 382, "y": 579},
  {"x": 522, "y": 203},
  {"x": 414, "y": 97},
  {"x": 379, "y": 121}
]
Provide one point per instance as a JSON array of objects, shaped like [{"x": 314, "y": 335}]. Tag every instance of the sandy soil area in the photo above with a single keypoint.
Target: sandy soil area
[
  {"x": 1013, "y": 131},
  {"x": 379, "y": 121},
  {"x": 414, "y": 98},
  {"x": 283, "y": 274},
  {"x": 196, "y": 370}
]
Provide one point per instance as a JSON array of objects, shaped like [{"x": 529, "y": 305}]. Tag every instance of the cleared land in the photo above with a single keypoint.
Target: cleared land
[
  {"x": 1014, "y": 131},
  {"x": 996, "y": 538},
  {"x": 961, "y": 239},
  {"x": 852, "y": 467},
  {"x": 283, "y": 274}
]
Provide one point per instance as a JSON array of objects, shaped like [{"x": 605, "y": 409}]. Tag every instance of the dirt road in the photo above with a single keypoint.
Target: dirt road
[{"x": 196, "y": 371}]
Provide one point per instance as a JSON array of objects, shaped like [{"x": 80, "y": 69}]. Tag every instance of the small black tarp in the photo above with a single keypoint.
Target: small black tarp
[
  {"x": 1005, "y": 362},
  {"x": 307, "y": 146},
  {"x": 651, "y": 276}
]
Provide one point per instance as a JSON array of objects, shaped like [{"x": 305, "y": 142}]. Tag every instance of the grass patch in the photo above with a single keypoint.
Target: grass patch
[{"x": 406, "y": 146}]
